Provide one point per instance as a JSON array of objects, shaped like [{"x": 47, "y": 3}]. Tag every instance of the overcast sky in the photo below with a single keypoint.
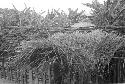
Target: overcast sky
[{"x": 39, "y": 5}]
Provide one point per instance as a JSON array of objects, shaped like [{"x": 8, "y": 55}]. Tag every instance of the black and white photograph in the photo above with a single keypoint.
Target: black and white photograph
[{"x": 62, "y": 42}]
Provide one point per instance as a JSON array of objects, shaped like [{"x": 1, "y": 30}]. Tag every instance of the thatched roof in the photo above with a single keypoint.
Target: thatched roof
[{"x": 81, "y": 48}]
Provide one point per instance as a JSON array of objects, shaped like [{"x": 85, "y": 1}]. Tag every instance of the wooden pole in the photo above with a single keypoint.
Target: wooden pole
[
  {"x": 3, "y": 70},
  {"x": 36, "y": 77},
  {"x": 50, "y": 74},
  {"x": 26, "y": 76},
  {"x": 17, "y": 76},
  {"x": 21, "y": 78},
  {"x": 30, "y": 77},
  {"x": 36, "y": 80},
  {"x": 119, "y": 74},
  {"x": 10, "y": 74}
]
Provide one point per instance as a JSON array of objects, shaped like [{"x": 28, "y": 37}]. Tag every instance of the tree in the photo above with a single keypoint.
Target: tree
[{"x": 110, "y": 15}]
